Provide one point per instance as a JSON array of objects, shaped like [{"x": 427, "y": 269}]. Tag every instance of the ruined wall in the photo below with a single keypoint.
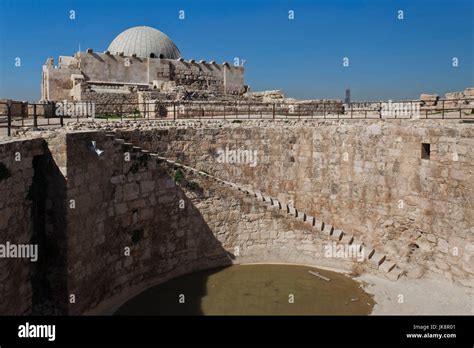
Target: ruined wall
[
  {"x": 116, "y": 69},
  {"x": 57, "y": 83},
  {"x": 137, "y": 204},
  {"x": 32, "y": 212},
  {"x": 90, "y": 208},
  {"x": 109, "y": 103},
  {"x": 365, "y": 177},
  {"x": 15, "y": 224}
]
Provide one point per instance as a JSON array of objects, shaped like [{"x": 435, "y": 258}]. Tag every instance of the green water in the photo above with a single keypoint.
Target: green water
[{"x": 253, "y": 290}]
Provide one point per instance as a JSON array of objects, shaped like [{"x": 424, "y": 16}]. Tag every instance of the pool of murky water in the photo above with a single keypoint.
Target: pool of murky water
[{"x": 258, "y": 289}]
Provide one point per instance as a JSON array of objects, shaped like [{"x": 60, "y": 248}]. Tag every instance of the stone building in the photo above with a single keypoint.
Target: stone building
[{"x": 140, "y": 59}]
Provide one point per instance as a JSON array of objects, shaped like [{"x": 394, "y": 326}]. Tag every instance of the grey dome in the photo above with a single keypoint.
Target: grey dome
[{"x": 144, "y": 42}]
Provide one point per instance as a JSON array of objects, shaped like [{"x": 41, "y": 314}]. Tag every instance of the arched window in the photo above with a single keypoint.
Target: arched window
[
  {"x": 162, "y": 56},
  {"x": 152, "y": 55}
]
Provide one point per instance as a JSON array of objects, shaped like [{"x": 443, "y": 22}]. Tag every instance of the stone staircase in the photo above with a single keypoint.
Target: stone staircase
[{"x": 374, "y": 259}]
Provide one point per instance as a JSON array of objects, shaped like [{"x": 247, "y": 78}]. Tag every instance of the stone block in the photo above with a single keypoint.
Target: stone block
[
  {"x": 387, "y": 266},
  {"x": 318, "y": 224},
  {"x": 358, "y": 243},
  {"x": 276, "y": 203},
  {"x": 291, "y": 211},
  {"x": 395, "y": 273},
  {"x": 310, "y": 220},
  {"x": 367, "y": 251},
  {"x": 376, "y": 260},
  {"x": 327, "y": 230},
  {"x": 300, "y": 215},
  {"x": 337, "y": 234},
  {"x": 347, "y": 239}
]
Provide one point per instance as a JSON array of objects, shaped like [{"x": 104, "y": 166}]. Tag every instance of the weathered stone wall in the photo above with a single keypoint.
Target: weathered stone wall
[
  {"x": 15, "y": 223},
  {"x": 137, "y": 204},
  {"x": 112, "y": 104},
  {"x": 367, "y": 178},
  {"x": 109, "y": 68}
]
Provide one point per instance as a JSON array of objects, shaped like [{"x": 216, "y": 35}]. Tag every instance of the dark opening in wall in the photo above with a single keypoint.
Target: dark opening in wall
[
  {"x": 162, "y": 56},
  {"x": 425, "y": 151},
  {"x": 152, "y": 55}
]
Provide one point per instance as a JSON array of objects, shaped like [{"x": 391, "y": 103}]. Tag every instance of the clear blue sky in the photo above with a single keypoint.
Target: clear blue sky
[{"x": 389, "y": 58}]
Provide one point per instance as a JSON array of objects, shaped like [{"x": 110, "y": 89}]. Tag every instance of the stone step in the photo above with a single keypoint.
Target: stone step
[
  {"x": 291, "y": 211},
  {"x": 301, "y": 215},
  {"x": 359, "y": 243},
  {"x": 327, "y": 230},
  {"x": 310, "y": 220},
  {"x": 387, "y": 266},
  {"x": 376, "y": 260},
  {"x": 276, "y": 203},
  {"x": 259, "y": 196},
  {"x": 368, "y": 251},
  {"x": 347, "y": 239},
  {"x": 337, "y": 234},
  {"x": 119, "y": 141},
  {"x": 395, "y": 273},
  {"x": 318, "y": 224}
]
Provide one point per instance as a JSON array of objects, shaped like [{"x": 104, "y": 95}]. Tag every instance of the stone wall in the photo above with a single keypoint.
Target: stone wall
[
  {"x": 171, "y": 228},
  {"x": 84, "y": 210},
  {"x": 118, "y": 205},
  {"x": 111, "y": 104},
  {"x": 367, "y": 178},
  {"x": 15, "y": 223},
  {"x": 58, "y": 82}
]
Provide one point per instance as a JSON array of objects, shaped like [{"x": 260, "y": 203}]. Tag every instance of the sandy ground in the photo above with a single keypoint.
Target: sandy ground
[{"x": 418, "y": 296}]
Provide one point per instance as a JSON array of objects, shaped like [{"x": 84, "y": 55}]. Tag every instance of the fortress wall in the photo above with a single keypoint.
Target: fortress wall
[
  {"x": 15, "y": 224},
  {"x": 233, "y": 79},
  {"x": 113, "y": 68},
  {"x": 58, "y": 83},
  {"x": 367, "y": 178},
  {"x": 95, "y": 207},
  {"x": 110, "y": 68},
  {"x": 136, "y": 204}
]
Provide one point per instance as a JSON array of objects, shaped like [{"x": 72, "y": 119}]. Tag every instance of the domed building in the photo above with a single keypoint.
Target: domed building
[
  {"x": 144, "y": 42},
  {"x": 139, "y": 63}
]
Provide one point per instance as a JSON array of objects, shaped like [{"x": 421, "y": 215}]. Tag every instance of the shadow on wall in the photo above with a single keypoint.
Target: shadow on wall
[
  {"x": 135, "y": 205},
  {"x": 48, "y": 216},
  {"x": 183, "y": 295}
]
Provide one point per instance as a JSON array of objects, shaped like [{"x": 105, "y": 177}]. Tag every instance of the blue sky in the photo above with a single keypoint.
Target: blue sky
[{"x": 389, "y": 58}]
